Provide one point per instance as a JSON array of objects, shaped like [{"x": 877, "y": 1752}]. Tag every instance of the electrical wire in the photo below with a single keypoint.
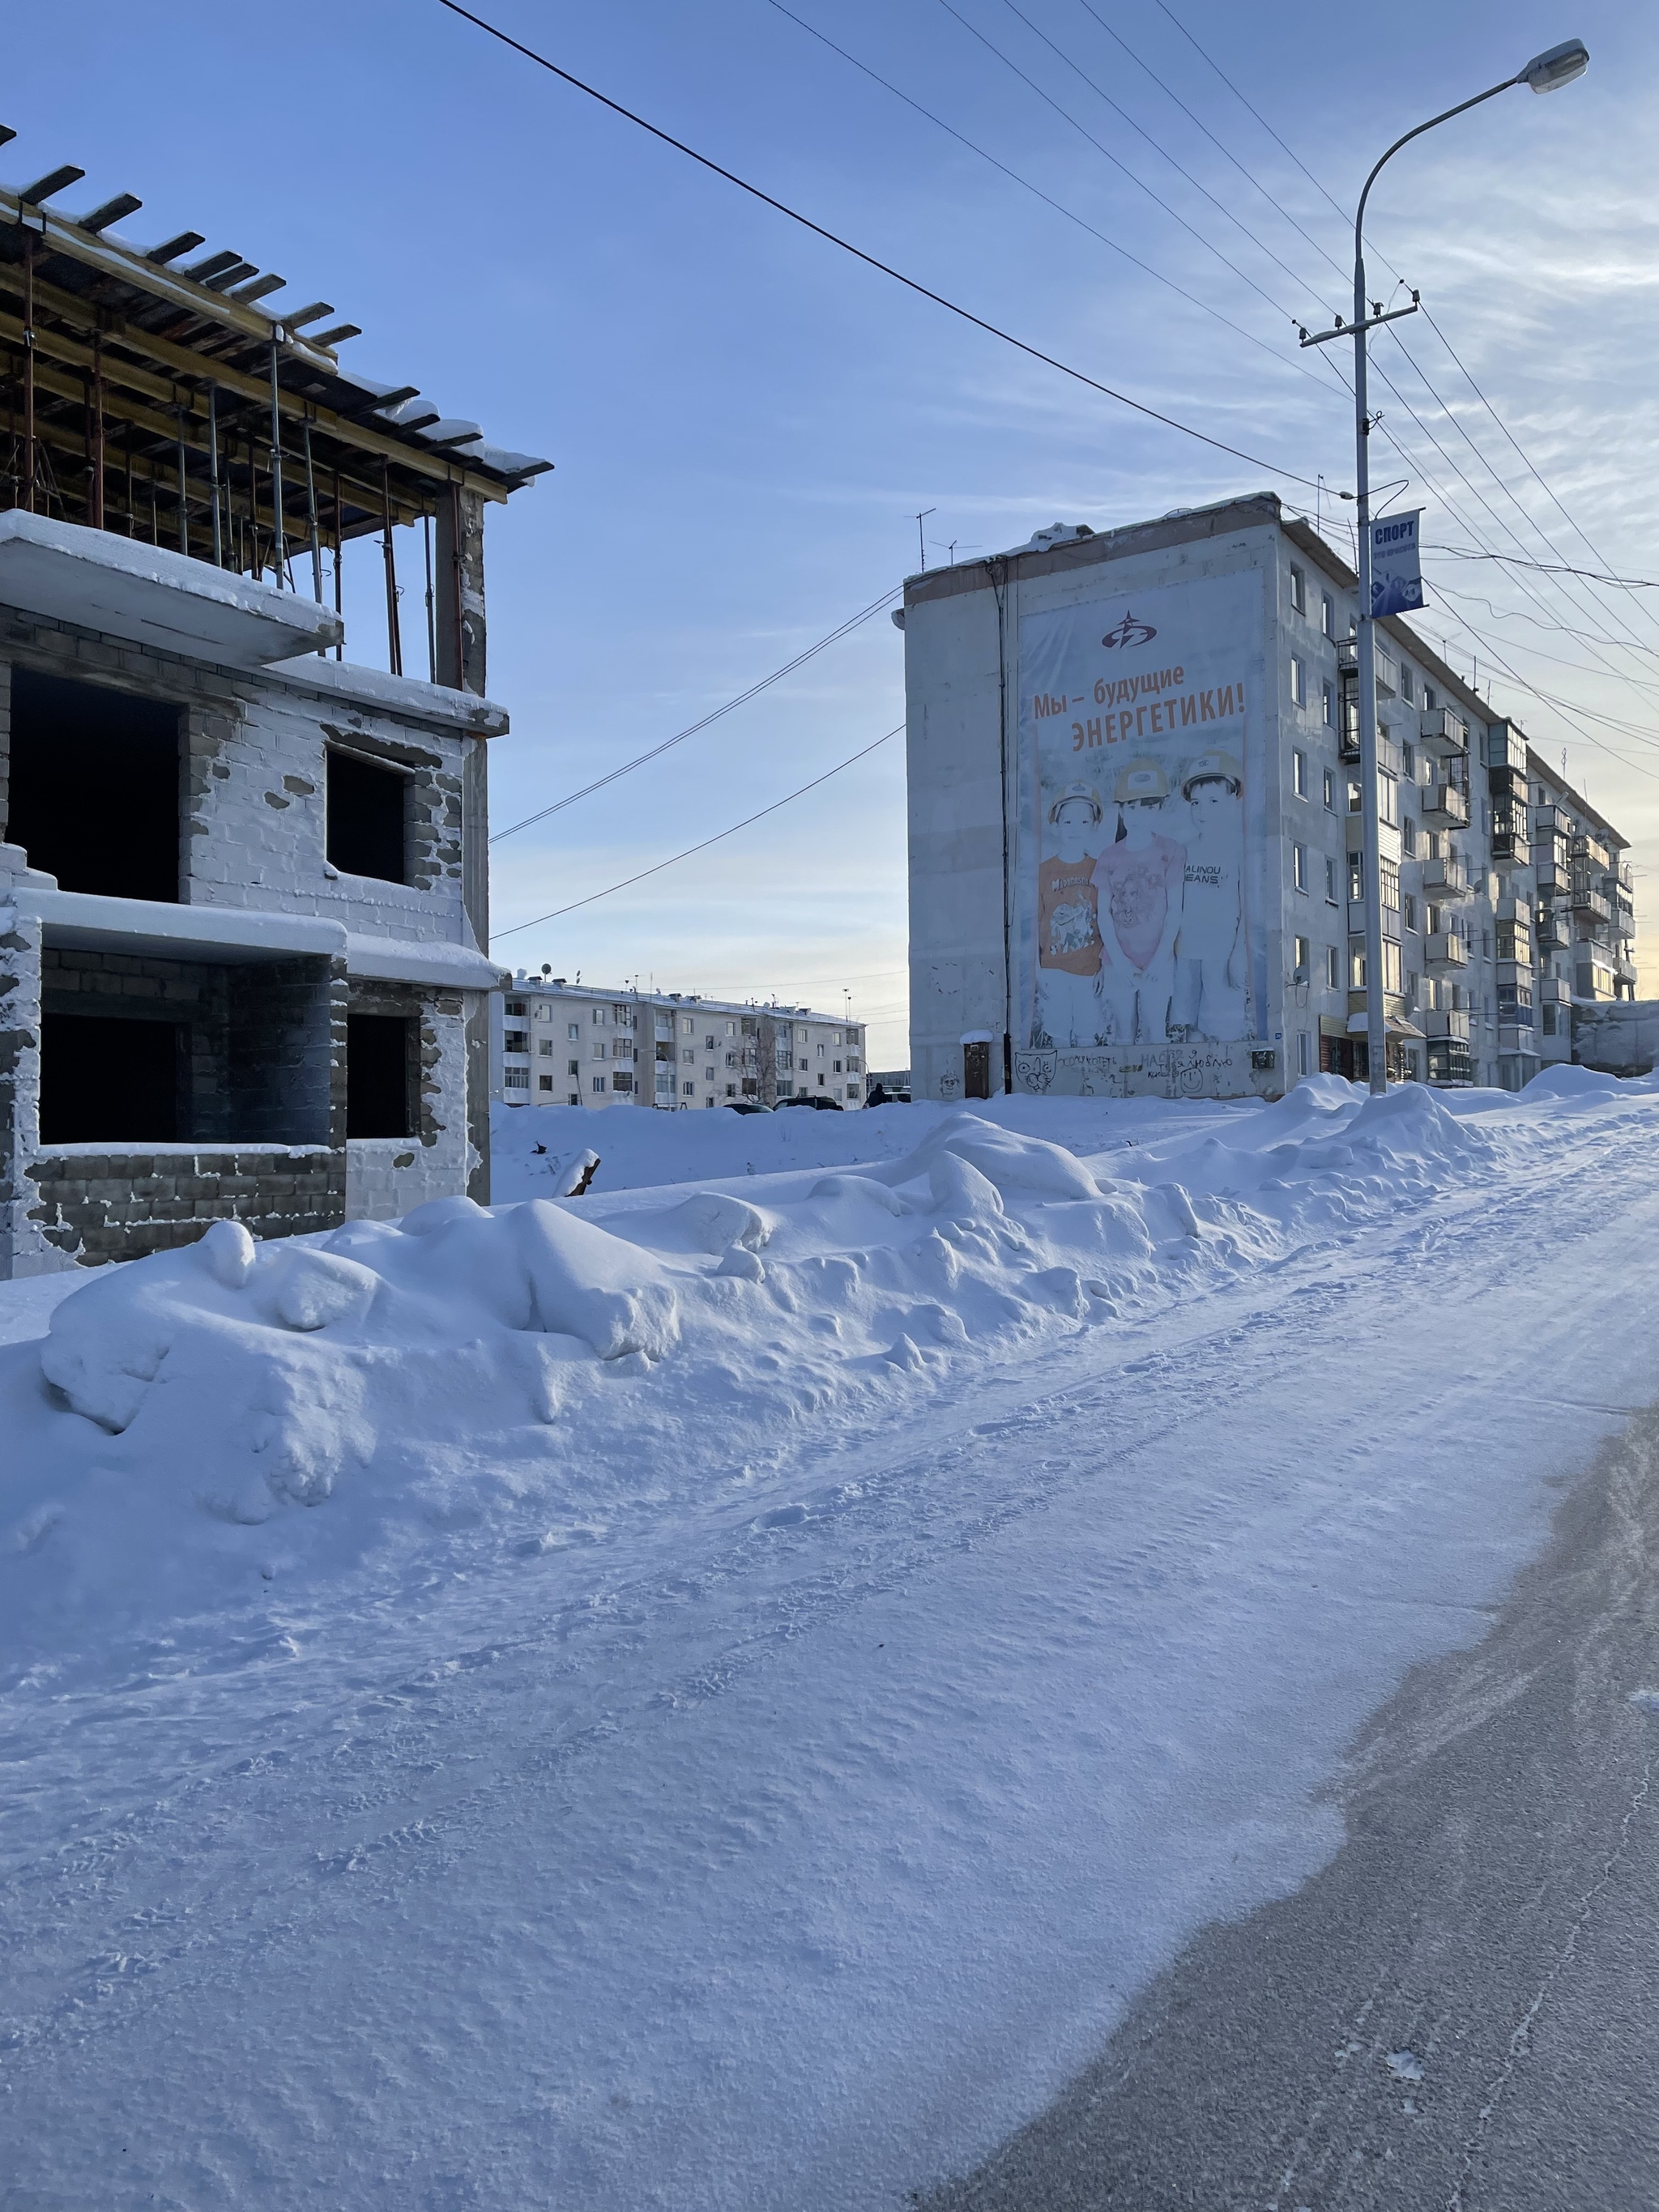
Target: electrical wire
[
  {"x": 1583, "y": 536},
  {"x": 1123, "y": 115},
  {"x": 1545, "y": 568},
  {"x": 1199, "y": 124},
  {"x": 1211, "y": 62},
  {"x": 680, "y": 736},
  {"x": 1059, "y": 206},
  {"x": 1083, "y": 131},
  {"x": 657, "y": 868},
  {"x": 858, "y": 253}
]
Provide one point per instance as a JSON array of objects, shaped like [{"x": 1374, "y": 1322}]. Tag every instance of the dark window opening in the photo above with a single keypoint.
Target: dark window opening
[
  {"x": 106, "y": 1080},
  {"x": 379, "y": 1048},
  {"x": 95, "y": 786},
  {"x": 364, "y": 818}
]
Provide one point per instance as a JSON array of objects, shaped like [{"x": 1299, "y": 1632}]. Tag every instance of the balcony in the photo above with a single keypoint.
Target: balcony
[
  {"x": 1394, "y": 1005},
  {"x": 1552, "y": 990},
  {"x": 1446, "y": 1022},
  {"x": 1388, "y": 838},
  {"x": 1440, "y": 732},
  {"x": 1592, "y": 854},
  {"x": 1391, "y": 760},
  {"x": 1443, "y": 805},
  {"x": 1595, "y": 904},
  {"x": 1552, "y": 934},
  {"x": 1552, "y": 878},
  {"x": 1445, "y": 949},
  {"x": 1550, "y": 821},
  {"x": 1444, "y": 878},
  {"x": 1356, "y": 919}
]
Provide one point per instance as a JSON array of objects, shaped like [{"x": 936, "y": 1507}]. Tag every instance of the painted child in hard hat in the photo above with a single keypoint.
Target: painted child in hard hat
[
  {"x": 1068, "y": 922},
  {"x": 1141, "y": 877},
  {"x": 1210, "y": 989}
]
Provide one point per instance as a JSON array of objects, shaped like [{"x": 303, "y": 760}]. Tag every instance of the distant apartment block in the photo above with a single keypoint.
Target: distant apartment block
[{"x": 557, "y": 1043}]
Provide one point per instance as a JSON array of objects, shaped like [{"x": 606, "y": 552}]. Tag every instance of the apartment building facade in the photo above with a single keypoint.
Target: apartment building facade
[
  {"x": 556, "y": 1043},
  {"x": 1135, "y": 828}
]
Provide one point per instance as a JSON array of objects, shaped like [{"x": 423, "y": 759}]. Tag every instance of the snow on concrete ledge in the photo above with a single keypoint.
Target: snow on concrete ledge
[
  {"x": 158, "y": 927},
  {"x": 408, "y": 696},
  {"x": 398, "y": 960},
  {"x": 124, "y": 588}
]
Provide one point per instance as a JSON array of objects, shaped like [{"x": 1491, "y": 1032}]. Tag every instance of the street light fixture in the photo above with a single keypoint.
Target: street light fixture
[{"x": 1544, "y": 73}]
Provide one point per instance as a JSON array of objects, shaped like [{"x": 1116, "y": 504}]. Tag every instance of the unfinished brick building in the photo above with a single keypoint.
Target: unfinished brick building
[{"x": 244, "y": 918}]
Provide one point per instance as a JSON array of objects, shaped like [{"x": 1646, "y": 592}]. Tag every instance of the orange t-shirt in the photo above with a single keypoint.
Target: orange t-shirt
[{"x": 1068, "y": 917}]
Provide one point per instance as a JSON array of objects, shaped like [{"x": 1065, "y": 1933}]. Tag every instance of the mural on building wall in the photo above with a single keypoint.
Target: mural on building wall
[{"x": 1139, "y": 912}]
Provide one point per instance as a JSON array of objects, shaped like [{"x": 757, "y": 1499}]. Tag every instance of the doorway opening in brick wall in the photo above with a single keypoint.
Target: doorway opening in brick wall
[
  {"x": 381, "y": 1051},
  {"x": 94, "y": 797},
  {"x": 106, "y": 1080}
]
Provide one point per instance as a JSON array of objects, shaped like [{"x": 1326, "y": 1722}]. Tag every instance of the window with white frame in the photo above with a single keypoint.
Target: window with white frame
[
  {"x": 1299, "y": 866},
  {"x": 1304, "y": 959},
  {"x": 1299, "y": 774},
  {"x": 1298, "y": 680},
  {"x": 1298, "y": 590},
  {"x": 1328, "y": 614},
  {"x": 602, "y": 1082},
  {"x": 1333, "y": 967}
]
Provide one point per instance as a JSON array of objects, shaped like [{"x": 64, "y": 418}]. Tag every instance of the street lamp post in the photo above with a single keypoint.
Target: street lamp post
[{"x": 1560, "y": 66}]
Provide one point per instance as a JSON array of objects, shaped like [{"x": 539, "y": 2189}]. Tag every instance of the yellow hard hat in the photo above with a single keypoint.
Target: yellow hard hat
[{"x": 1140, "y": 779}]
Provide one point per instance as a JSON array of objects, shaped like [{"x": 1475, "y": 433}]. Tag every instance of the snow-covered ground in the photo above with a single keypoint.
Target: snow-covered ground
[{"x": 716, "y": 1692}]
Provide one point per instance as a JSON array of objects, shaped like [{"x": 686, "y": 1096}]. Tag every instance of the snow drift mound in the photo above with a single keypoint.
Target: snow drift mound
[{"x": 282, "y": 1340}]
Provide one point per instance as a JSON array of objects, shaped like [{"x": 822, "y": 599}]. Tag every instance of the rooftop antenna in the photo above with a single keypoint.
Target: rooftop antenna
[{"x": 921, "y": 543}]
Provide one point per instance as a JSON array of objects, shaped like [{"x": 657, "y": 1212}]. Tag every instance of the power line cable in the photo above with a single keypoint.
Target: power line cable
[
  {"x": 680, "y": 736},
  {"x": 1633, "y": 643},
  {"x": 1547, "y": 568},
  {"x": 1123, "y": 115},
  {"x": 1199, "y": 124},
  {"x": 1037, "y": 192},
  {"x": 886, "y": 269},
  {"x": 657, "y": 868},
  {"x": 1083, "y": 131},
  {"x": 1208, "y": 59},
  {"x": 1527, "y": 462}
]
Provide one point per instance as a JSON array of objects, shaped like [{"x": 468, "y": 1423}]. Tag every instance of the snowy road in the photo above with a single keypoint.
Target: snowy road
[
  {"x": 793, "y": 1854},
  {"x": 1458, "y": 2011}
]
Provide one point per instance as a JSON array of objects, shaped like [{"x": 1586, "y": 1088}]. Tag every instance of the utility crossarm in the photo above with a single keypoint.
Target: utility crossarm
[{"x": 1347, "y": 330}]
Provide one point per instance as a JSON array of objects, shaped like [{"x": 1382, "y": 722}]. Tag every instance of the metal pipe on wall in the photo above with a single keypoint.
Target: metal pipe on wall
[
  {"x": 339, "y": 546},
  {"x": 394, "y": 638},
  {"x": 316, "y": 541},
  {"x": 95, "y": 438},
  {"x": 28, "y": 371},
  {"x": 184, "y": 503},
  {"x": 213, "y": 474},
  {"x": 279, "y": 547},
  {"x": 431, "y": 610}
]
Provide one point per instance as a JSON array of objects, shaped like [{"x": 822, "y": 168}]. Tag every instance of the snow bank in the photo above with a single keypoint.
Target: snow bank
[
  {"x": 721, "y": 1690},
  {"x": 215, "y": 1389}
]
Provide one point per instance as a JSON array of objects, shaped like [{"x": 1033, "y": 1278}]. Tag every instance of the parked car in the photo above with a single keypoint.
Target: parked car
[
  {"x": 815, "y": 1099},
  {"x": 746, "y": 1106}
]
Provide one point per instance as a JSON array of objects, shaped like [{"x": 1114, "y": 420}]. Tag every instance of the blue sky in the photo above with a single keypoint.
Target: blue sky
[{"x": 744, "y": 420}]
